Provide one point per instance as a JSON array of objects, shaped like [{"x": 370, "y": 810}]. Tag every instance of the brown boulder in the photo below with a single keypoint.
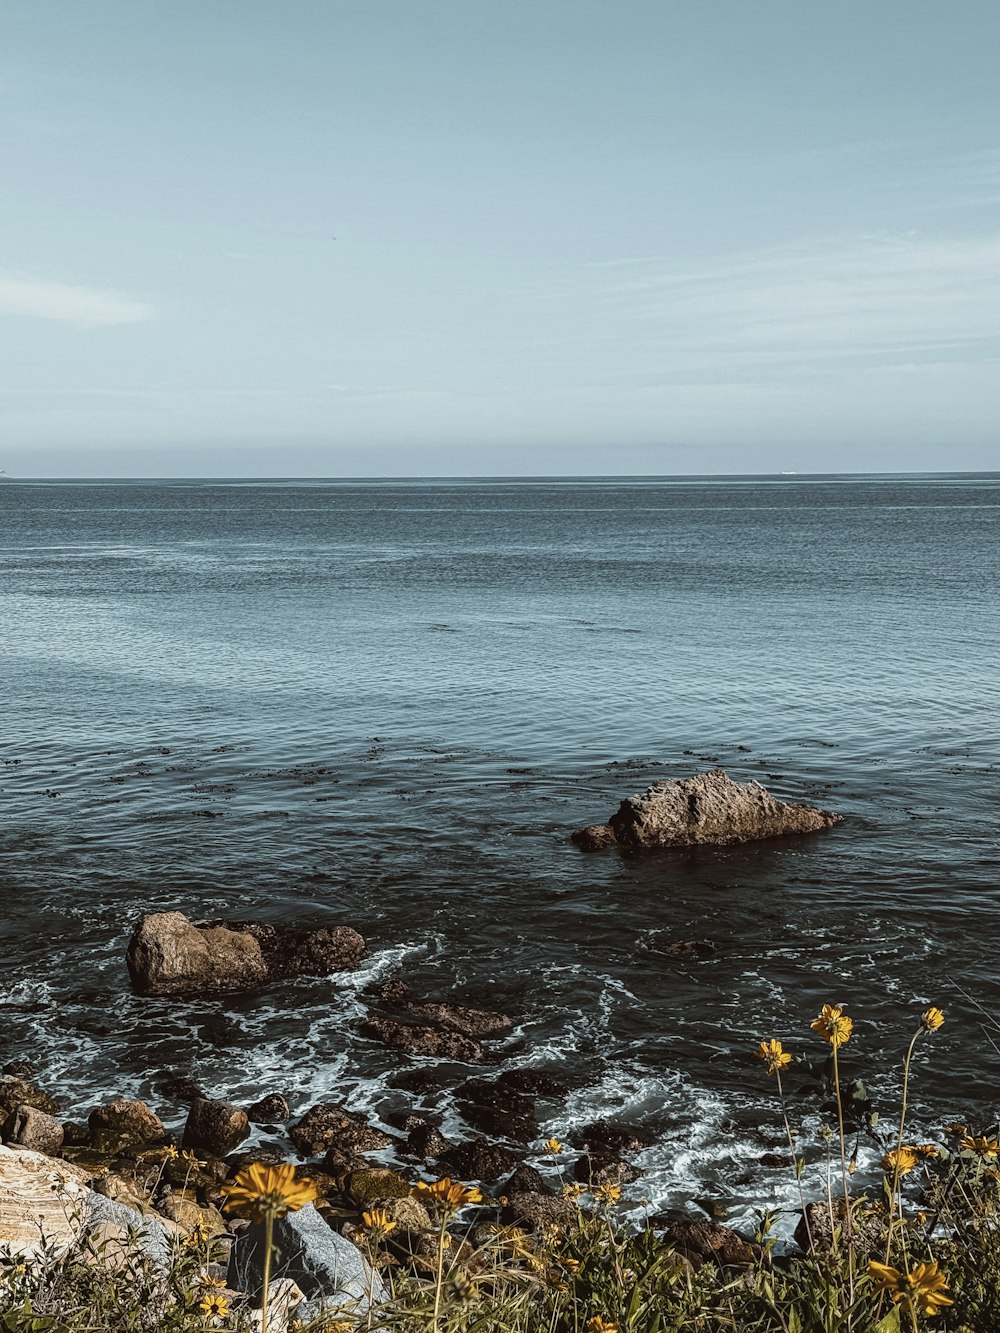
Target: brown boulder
[
  {"x": 16, "y": 1091},
  {"x": 27, "y": 1127},
  {"x": 327, "y": 1126},
  {"x": 480, "y": 1023},
  {"x": 417, "y": 1040},
  {"x": 708, "y": 808},
  {"x": 216, "y": 1128},
  {"x": 702, "y": 1242},
  {"x": 539, "y": 1211},
  {"x": 167, "y": 955},
  {"x": 124, "y": 1124},
  {"x": 479, "y": 1160},
  {"x": 304, "y": 953},
  {"x": 270, "y": 1110}
]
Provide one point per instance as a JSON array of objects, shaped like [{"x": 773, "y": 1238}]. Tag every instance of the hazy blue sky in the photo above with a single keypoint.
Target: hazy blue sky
[{"x": 490, "y": 236}]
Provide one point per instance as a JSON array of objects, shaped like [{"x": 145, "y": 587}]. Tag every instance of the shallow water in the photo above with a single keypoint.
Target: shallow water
[{"x": 388, "y": 704}]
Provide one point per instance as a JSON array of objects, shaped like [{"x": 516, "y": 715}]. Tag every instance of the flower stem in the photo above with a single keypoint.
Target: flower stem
[
  {"x": 791, "y": 1146},
  {"x": 268, "y": 1241},
  {"x": 439, "y": 1279},
  {"x": 848, "y": 1219}
]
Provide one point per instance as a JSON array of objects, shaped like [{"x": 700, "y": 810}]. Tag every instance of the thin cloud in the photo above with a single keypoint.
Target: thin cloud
[{"x": 67, "y": 303}]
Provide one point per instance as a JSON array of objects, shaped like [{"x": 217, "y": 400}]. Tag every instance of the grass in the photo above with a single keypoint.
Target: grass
[{"x": 920, "y": 1252}]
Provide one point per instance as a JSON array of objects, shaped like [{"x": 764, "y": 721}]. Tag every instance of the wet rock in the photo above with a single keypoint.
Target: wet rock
[
  {"x": 493, "y": 1092},
  {"x": 689, "y": 949},
  {"x": 75, "y": 1135},
  {"x": 595, "y": 837},
  {"x": 421, "y": 1082},
  {"x": 708, "y": 808},
  {"x": 177, "y": 1087},
  {"x": 216, "y": 1128},
  {"x": 604, "y": 1139},
  {"x": 604, "y": 1171},
  {"x": 123, "y": 1125},
  {"x": 525, "y": 1180},
  {"x": 538, "y": 1211},
  {"x": 328, "y": 1268},
  {"x": 775, "y": 1159},
  {"x": 479, "y": 1160},
  {"x": 426, "y": 1142},
  {"x": 170, "y": 955},
  {"x": 19, "y": 1069},
  {"x": 27, "y": 1127},
  {"x": 498, "y": 1122},
  {"x": 16, "y": 1091},
  {"x": 702, "y": 1242},
  {"x": 328, "y": 1126},
  {"x": 269, "y": 1110},
  {"x": 415, "y": 1040},
  {"x": 479, "y": 1023},
  {"x": 533, "y": 1083},
  {"x": 305, "y": 953},
  {"x": 167, "y": 955}
]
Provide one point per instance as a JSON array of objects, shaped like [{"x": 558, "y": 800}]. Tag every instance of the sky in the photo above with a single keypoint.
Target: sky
[{"x": 498, "y": 237}]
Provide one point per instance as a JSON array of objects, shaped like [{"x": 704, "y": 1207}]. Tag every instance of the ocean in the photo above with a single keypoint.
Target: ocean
[{"x": 389, "y": 703}]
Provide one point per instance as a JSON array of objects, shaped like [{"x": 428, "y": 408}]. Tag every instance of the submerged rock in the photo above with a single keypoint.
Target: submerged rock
[
  {"x": 170, "y": 955},
  {"x": 396, "y": 996},
  {"x": 708, "y": 808},
  {"x": 416, "y": 1039}
]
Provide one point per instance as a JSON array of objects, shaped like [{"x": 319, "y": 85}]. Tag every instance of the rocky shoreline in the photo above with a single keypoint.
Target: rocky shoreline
[{"x": 135, "y": 1174}]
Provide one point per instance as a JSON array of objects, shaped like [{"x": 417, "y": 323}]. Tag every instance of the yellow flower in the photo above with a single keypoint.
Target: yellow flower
[
  {"x": 774, "y": 1057},
  {"x": 448, "y": 1194},
  {"x": 980, "y": 1144},
  {"x": 920, "y": 1291},
  {"x": 609, "y": 1193},
  {"x": 571, "y": 1265},
  {"x": 189, "y": 1159},
  {"x": 926, "y": 1149},
  {"x": 899, "y": 1161},
  {"x": 260, "y": 1191},
  {"x": 553, "y": 1146},
  {"x": 833, "y": 1025},
  {"x": 214, "y": 1306},
  {"x": 200, "y": 1234},
  {"x": 378, "y": 1222},
  {"x": 931, "y": 1019},
  {"x": 209, "y": 1281},
  {"x": 573, "y": 1191},
  {"x": 170, "y": 1153},
  {"x": 599, "y": 1325}
]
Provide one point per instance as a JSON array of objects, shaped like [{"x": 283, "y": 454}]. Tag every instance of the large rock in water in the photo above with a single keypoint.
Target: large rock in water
[
  {"x": 170, "y": 955},
  {"x": 710, "y": 808}
]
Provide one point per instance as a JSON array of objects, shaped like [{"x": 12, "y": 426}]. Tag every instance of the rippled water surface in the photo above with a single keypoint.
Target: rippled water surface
[{"x": 389, "y": 704}]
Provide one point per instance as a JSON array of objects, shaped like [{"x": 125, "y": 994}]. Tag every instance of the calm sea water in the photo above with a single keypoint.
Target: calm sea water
[{"x": 389, "y": 704}]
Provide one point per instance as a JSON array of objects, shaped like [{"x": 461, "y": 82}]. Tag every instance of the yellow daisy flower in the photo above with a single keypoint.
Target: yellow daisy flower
[
  {"x": 447, "y": 1194},
  {"x": 258, "y": 1191},
  {"x": 920, "y": 1291},
  {"x": 378, "y": 1222},
  {"x": 833, "y": 1025},
  {"x": 899, "y": 1161},
  {"x": 931, "y": 1019},
  {"x": 774, "y": 1056}
]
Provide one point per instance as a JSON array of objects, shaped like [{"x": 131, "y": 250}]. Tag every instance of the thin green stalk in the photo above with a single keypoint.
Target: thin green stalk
[
  {"x": 848, "y": 1219},
  {"x": 899, "y": 1142},
  {"x": 439, "y": 1277},
  {"x": 791, "y": 1146},
  {"x": 264, "y": 1293}
]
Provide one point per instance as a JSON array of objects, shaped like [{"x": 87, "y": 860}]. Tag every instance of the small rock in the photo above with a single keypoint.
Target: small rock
[
  {"x": 415, "y": 1040},
  {"x": 702, "y": 1242},
  {"x": 497, "y": 1122},
  {"x": 534, "y": 1083},
  {"x": 525, "y": 1180},
  {"x": 16, "y": 1091},
  {"x": 270, "y": 1110},
  {"x": 330, "y": 1126},
  {"x": 27, "y": 1127},
  {"x": 422, "y": 1082},
  {"x": 604, "y": 1171},
  {"x": 539, "y": 1211},
  {"x": 363, "y": 1188},
  {"x": 305, "y": 953},
  {"x": 216, "y": 1128},
  {"x": 595, "y": 837},
  {"x": 426, "y": 1142},
  {"x": 604, "y": 1139},
  {"x": 479, "y": 1160},
  {"x": 124, "y": 1124}
]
